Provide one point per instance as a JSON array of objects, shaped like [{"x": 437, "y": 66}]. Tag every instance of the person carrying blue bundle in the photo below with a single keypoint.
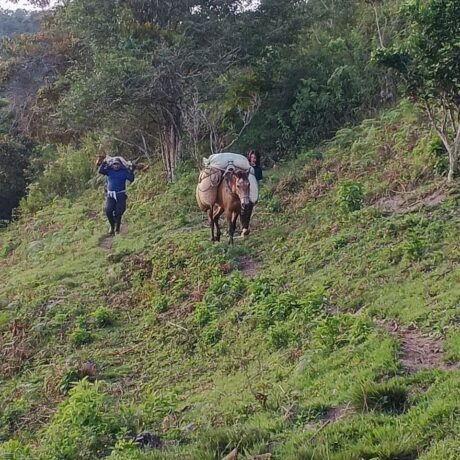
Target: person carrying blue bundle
[{"x": 117, "y": 171}]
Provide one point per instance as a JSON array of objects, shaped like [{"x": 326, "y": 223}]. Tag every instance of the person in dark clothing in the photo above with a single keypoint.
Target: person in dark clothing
[
  {"x": 254, "y": 161},
  {"x": 256, "y": 170},
  {"x": 117, "y": 174}
]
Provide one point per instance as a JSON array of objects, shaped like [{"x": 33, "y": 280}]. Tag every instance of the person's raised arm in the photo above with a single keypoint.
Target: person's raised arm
[
  {"x": 103, "y": 168},
  {"x": 129, "y": 174}
]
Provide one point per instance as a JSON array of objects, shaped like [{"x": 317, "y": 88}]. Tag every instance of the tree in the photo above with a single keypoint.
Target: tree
[
  {"x": 13, "y": 163},
  {"x": 138, "y": 63},
  {"x": 427, "y": 57}
]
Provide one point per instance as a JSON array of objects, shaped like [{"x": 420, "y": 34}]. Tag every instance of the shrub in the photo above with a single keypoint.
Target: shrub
[
  {"x": 13, "y": 450},
  {"x": 280, "y": 335},
  {"x": 68, "y": 380},
  {"x": 204, "y": 313},
  {"x": 82, "y": 427},
  {"x": 160, "y": 303},
  {"x": 334, "y": 331},
  {"x": 279, "y": 307},
  {"x": 441, "y": 158},
  {"x": 13, "y": 415},
  {"x": 225, "y": 291},
  {"x": 388, "y": 397},
  {"x": 80, "y": 335},
  {"x": 350, "y": 196},
  {"x": 103, "y": 317},
  {"x": 414, "y": 245},
  {"x": 211, "y": 334},
  {"x": 66, "y": 176},
  {"x": 261, "y": 288}
]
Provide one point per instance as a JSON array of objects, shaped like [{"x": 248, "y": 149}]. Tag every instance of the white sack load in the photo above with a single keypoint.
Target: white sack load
[
  {"x": 127, "y": 164},
  {"x": 223, "y": 161},
  {"x": 253, "y": 189},
  {"x": 211, "y": 175}
]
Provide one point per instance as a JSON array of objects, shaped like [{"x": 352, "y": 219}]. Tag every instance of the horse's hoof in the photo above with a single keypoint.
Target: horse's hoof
[{"x": 245, "y": 232}]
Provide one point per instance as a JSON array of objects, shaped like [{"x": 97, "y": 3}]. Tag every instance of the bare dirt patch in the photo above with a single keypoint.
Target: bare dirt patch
[
  {"x": 92, "y": 215},
  {"x": 106, "y": 243},
  {"x": 418, "y": 351},
  {"x": 412, "y": 201},
  {"x": 248, "y": 266},
  {"x": 334, "y": 414}
]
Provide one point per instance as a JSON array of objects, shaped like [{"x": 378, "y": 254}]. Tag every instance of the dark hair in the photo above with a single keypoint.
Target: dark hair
[{"x": 253, "y": 152}]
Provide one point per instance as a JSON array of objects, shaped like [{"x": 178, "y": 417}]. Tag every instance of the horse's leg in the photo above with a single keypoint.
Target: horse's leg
[
  {"x": 231, "y": 219},
  {"x": 216, "y": 217},
  {"x": 211, "y": 222}
]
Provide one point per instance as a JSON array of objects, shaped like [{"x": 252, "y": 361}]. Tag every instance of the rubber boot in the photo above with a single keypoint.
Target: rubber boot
[
  {"x": 117, "y": 224},
  {"x": 111, "y": 220}
]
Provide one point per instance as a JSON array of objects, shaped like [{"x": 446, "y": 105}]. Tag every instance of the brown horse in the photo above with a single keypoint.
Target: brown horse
[
  {"x": 232, "y": 197},
  {"x": 216, "y": 194}
]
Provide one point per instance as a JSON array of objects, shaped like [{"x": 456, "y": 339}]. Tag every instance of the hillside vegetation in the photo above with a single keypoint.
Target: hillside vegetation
[{"x": 330, "y": 333}]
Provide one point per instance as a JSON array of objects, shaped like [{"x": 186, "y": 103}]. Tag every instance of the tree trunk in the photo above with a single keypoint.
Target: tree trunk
[
  {"x": 452, "y": 146},
  {"x": 170, "y": 149},
  {"x": 452, "y": 166}
]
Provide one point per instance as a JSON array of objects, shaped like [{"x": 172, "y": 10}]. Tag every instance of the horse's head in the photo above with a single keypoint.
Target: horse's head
[{"x": 241, "y": 187}]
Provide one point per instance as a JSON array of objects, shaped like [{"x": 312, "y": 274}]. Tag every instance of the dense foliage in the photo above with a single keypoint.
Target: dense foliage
[
  {"x": 426, "y": 54},
  {"x": 178, "y": 79}
]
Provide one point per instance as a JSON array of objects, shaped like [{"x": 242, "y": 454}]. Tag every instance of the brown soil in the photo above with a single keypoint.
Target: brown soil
[
  {"x": 248, "y": 266},
  {"x": 106, "y": 243},
  {"x": 418, "y": 351},
  {"x": 411, "y": 201},
  {"x": 334, "y": 414}
]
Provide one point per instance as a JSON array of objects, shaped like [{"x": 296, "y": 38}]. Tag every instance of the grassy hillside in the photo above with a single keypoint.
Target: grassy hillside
[{"x": 330, "y": 333}]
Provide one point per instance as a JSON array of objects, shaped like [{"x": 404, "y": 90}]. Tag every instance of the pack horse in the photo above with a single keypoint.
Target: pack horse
[{"x": 225, "y": 186}]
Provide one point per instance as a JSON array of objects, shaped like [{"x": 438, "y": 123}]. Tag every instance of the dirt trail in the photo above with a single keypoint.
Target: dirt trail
[
  {"x": 418, "y": 351},
  {"x": 334, "y": 414},
  {"x": 107, "y": 241},
  {"x": 411, "y": 201},
  {"x": 248, "y": 266}
]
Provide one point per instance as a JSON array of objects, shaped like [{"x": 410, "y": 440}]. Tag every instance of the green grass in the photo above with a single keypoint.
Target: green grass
[{"x": 182, "y": 344}]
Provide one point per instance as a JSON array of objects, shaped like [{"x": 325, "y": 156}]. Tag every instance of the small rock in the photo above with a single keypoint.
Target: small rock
[
  {"x": 147, "y": 439},
  {"x": 189, "y": 428}
]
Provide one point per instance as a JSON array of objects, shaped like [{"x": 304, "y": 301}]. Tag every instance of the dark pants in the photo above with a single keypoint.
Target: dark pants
[
  {"x": 114, "y": 209},
  {"x": 245, "y": 216}
]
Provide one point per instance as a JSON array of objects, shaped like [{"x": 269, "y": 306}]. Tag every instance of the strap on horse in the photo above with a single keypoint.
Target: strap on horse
[{"x": 213, "y": 170}]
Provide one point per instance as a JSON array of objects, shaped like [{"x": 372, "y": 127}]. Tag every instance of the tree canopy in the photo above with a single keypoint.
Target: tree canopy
[
  {"x": 427, "y": 56},
  {"x": 182, "y": 79}
]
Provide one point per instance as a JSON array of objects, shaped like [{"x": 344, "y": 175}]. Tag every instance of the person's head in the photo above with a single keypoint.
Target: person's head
[
  {"x": 252, "y": 157},
  {"x": 116, "y": 164}
]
